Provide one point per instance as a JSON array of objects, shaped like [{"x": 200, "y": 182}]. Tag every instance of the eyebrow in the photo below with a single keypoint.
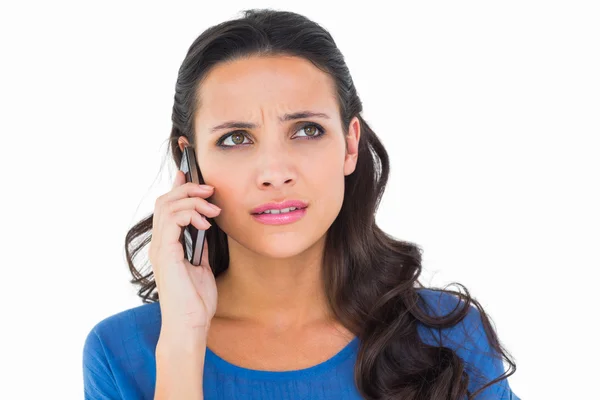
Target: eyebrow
[{"x": 284, "y": 118}]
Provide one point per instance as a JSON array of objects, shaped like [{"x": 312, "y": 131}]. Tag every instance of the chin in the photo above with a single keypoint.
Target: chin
[{"x": 283, "y": 246}]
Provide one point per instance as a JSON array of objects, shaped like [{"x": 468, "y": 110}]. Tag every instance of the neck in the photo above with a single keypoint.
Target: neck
[{"x": 278, "y": 294}]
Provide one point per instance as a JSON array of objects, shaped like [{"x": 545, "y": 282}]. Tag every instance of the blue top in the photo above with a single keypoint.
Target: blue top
[{"x": 119, "y": 362}]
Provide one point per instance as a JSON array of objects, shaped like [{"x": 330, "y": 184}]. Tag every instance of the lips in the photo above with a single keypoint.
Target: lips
[{"x": 279, "y": 206}]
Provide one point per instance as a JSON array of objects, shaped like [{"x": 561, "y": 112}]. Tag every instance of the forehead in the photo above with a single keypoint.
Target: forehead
[{"x": 245, "y": 87}]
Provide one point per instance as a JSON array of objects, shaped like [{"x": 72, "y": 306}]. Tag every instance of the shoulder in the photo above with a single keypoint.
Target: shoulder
[
  {"x": 467, "y": 338},
  {"x": 438, "y": 303},
  {"x": 138, "y": 322},
  {"x": 136, "y": 319},
  {"x": 117, "y": 346}
]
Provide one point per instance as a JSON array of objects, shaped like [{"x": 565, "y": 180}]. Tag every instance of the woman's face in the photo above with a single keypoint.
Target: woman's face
[{"x": 277, "y": 159}]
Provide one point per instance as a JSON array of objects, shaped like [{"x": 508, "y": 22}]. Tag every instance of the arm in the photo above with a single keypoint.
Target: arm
[
  {"x": 180, "y": 366},
  {"x": 98, "y": 380},
  {"x": 470, "y": 342},
  {"x": 485, "y": 360}
]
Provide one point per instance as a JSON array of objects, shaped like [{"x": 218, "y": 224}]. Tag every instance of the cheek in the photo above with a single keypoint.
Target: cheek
[
  {"x": 327, "y": 189},
  {"x": 229, "y": 184},
  {"x": 225, "y": 194}
]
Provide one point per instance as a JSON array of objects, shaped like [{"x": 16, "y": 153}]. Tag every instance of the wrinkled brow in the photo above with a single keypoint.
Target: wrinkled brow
[{"x": 284, "y": 118}]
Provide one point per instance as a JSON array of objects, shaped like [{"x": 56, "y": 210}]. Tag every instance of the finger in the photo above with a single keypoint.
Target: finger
[
  {"x": 178, "y": 180},
  {"x": 163, "y": 211},
  {"x": 194, "y": 203},
  {"x": 183, "y": 190},
  {"x": 171, "y": 230},
  {"x": 170, "y": 249}
]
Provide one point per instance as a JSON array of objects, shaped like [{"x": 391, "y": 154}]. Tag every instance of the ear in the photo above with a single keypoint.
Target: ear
[
  {"x": 182, "y": 142},
  {"x": 352, "y": 140}
]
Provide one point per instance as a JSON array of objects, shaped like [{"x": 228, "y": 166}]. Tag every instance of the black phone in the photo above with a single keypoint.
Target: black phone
[{"x": 191, "y": 238}]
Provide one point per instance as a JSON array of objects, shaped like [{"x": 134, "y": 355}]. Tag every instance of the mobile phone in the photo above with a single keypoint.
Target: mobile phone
[{"x": 191, "y": 238}]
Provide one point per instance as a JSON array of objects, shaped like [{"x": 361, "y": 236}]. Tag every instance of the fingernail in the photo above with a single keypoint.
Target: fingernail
[{"x": 215, "y": 207}]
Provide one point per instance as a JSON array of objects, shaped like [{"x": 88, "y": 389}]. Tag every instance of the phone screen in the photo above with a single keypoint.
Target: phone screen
[{"x": 192, "y": 239}]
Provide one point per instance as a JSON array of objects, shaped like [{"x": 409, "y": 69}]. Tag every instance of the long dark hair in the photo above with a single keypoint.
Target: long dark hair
[{"x": 372, "y": 278}]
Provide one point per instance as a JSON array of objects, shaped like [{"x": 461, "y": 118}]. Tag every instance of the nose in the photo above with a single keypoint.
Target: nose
[
  {"x": 276, "y": 169},
  {"x": 275, "y": 176},
  {"x": 275, "y": 183}
]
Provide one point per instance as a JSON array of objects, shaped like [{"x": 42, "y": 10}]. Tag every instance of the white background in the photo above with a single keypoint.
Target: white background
[{"x": 490, "y": 113}]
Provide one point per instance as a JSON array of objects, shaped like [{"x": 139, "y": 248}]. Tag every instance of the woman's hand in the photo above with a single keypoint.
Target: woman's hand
[{"x": 187, "y": 293}]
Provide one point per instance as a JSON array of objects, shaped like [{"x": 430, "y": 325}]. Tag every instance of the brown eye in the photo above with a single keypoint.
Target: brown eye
[
  {"x": 237, "y": 138},
  {"x": 233, "y": 139},
  {"x": 310, "y": 130}
]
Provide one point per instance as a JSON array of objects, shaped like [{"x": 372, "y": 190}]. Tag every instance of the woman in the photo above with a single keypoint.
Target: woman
[{"x": 315, "y": 301}]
